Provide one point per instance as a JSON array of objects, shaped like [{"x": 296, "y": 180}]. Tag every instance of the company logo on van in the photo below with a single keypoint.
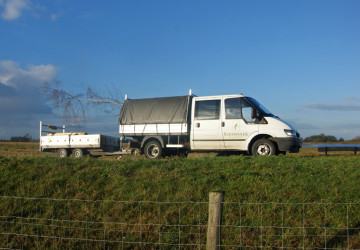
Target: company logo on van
[{"x": 237, "y": 134}]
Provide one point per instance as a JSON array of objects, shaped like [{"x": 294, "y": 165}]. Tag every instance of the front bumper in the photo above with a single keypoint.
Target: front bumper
[{"x": 288, "y": 144}]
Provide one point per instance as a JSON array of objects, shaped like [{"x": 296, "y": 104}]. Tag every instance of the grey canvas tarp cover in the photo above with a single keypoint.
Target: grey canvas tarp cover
[{"x": 162, "y": 110}]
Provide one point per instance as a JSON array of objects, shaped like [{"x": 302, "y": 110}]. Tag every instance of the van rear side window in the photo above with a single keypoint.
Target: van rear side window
[{"x": 207, "y": 110}]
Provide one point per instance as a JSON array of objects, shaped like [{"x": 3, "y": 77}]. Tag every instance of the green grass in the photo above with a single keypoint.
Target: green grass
[
  {"x": 245, "y": 179},
  {"x": 253, "y": 185}
]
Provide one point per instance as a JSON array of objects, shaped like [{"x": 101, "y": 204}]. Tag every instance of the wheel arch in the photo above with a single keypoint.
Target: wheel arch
[
  {"x": 151, "y": 138},
  {"x": 258, "y": 137}
]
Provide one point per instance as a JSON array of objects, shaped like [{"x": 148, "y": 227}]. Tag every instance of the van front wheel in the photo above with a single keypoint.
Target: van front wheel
[
  {"x": 263, "y": 147},
  {"x": 153, "y": 150}
]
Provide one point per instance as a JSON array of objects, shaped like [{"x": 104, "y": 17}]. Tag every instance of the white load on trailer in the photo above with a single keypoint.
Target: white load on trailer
[{"x": 77, "y": 143}]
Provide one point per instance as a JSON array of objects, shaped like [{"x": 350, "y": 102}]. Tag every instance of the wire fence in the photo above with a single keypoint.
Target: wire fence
[{"x": 106, "y": 224}]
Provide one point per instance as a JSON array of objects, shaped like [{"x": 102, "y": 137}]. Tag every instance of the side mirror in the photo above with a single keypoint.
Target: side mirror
[{"x": 254, "y": 114}]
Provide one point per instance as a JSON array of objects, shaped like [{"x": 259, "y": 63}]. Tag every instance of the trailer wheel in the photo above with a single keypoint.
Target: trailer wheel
[
  {"x": 78, "y": 152},
  {"x": 62, "y": 153},
  {"x": 153, "y": 150},
  {"x": 263, "y": 147}
]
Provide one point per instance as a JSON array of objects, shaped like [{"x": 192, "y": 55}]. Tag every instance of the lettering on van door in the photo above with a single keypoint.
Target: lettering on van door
[
  {"x": 236, "y": 129},
  {"x": 239, "y": 134}
]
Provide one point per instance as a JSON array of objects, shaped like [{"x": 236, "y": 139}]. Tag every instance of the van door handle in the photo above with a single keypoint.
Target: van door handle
[
  {"x": 197, "y": 125},
  {"x": 222, "y": 124}
]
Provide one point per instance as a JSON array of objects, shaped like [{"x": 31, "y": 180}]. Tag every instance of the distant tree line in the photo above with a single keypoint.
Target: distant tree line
[
  {"x": 355, "y": 140},
  {"x": 25, "y": 138},
  {"x": 323, "y": 138}
]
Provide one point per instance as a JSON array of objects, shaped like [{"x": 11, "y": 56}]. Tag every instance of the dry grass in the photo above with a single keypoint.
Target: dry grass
[{"x": 21, "y": 149}]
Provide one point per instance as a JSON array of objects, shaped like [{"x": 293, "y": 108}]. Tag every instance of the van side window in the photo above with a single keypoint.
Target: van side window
[
  {"x": 232, "y": 108},
  {"x": 247, "y": 111},
  {"x": 207, "y": 110}
]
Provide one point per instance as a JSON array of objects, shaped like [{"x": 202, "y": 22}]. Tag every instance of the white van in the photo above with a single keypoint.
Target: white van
[{"x": 209, "y": 123}]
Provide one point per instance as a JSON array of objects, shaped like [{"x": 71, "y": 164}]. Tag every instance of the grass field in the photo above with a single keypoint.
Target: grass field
[{"x": 307, "y": 177}]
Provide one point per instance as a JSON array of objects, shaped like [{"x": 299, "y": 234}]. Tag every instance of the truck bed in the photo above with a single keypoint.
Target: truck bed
[{"x": 154, "y": 129}]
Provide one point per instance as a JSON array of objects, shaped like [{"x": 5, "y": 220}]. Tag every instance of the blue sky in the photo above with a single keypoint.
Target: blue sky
[{"x": 301, "y": 59}]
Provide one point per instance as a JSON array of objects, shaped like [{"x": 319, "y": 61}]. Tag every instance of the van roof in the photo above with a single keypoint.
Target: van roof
[{"x": 219, "y": 96}]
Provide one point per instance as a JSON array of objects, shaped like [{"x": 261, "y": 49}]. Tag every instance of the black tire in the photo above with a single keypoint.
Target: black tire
[
  {"x": 263, "y": 147},
  {"x": 153, "y": 150},
  {"x": 62, "y": 153},
  {"x": 78, "y": 152}
]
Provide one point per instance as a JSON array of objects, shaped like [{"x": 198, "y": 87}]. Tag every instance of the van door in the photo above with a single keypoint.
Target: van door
[
  {"x": 206, "y": 126},
  {"x": 238, "y": 123}
]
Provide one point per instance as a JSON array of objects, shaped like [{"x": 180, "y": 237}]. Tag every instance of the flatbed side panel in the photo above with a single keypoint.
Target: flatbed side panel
[
  {"x": 85, "y": 141},
  {"x": 147, "y": 129},
  {"x": 109, "y": 143},
  {"x": 95, "y": 141},
  {"x": 55, "y": 141}
]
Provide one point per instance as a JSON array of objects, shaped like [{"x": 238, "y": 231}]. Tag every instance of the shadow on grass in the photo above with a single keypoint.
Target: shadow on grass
[{"x": 345, "y": 239}]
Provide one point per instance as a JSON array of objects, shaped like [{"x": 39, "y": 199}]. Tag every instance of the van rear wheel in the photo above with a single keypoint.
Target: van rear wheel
[
  {"x": 153, "y": 150},
  {"x": 263, "y": 147}
]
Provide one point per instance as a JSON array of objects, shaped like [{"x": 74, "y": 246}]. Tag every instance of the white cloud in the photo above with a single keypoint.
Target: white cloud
[
  {"x": 21, "y": 100},
  {"x": 13, "y": 8},
  {"x": 11, "y": 74}
]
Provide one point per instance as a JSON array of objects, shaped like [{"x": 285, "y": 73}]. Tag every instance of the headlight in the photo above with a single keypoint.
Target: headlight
[{"x": 289, "y": 132}]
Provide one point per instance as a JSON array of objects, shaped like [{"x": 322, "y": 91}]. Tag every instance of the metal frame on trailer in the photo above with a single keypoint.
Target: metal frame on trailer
[{"x": 51, "y": 127}]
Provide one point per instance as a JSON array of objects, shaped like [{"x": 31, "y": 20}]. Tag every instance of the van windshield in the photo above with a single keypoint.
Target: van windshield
[{"x": 264, "y": 111}]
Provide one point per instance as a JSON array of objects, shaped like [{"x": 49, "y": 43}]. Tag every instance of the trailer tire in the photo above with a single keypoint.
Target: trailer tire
[
  {"x": 263, "y": 147},
  {"x": 152, "y": 150},
  {"x": 62, "y": 153},
  {"x": 78, "y": 152}
]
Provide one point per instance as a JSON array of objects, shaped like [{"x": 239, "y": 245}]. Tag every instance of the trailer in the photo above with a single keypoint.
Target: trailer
[{"x": 77, "y": 143}]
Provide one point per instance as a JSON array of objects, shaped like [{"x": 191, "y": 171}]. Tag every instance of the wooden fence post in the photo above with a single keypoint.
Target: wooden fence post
[{"x": 216, "y": 200}]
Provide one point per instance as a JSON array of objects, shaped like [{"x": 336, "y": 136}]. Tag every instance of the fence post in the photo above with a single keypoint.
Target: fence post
[{"x": 216, "y": 200}]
